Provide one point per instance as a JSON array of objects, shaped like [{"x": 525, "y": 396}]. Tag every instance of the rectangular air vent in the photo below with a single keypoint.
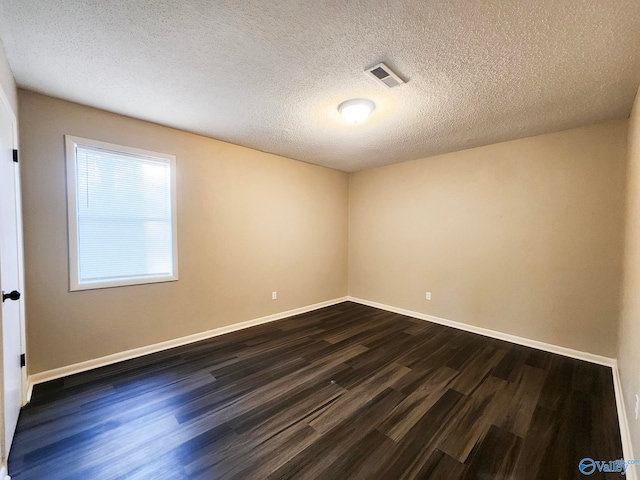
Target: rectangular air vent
[{"x": 382, "y": 73}]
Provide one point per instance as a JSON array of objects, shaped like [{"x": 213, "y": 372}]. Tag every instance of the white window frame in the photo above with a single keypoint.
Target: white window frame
[{"x": 71, "y": 143}]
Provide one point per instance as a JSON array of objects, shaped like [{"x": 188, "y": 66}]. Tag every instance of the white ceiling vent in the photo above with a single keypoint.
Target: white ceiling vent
[{"x": 382, "y": 73}]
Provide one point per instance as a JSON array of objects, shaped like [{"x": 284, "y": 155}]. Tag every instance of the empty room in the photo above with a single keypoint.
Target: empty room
[{"x": 320, "y": 240}]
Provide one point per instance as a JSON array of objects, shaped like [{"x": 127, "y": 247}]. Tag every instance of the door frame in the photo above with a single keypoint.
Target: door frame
[{"x": 23, "y": 340}]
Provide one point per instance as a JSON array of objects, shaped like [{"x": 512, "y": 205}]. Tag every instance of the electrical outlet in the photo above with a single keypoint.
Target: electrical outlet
[
  {"x": 637, "y": 405},
  {"x": 274, "y": 295},
  {"x": 428, "y": 295}
]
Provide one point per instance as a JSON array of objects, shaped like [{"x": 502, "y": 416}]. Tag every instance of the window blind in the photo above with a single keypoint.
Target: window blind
[{"x": 124, "y": 224}]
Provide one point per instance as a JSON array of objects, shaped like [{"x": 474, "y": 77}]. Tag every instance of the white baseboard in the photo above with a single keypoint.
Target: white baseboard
[
  {"x": 29, "y": 389},
  {"x": 627, "y": 449},
  {"x": 567, "y": 352},
  {"x": 507, "y": 337},
  {"x": 157, "y": 347},
  {"x": 3, "y": 473},
  {"x": 625, "y": 434}
]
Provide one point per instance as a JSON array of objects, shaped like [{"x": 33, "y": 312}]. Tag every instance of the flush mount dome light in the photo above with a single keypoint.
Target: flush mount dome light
[{"x": 356, "y": 110}]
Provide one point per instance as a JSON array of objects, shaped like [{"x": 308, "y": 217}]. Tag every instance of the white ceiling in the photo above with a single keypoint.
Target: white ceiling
[{"x": 270, "y": 74}]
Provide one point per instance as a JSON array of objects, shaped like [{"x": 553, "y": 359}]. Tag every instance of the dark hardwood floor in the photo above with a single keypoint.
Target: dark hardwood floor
[{"x": 344, "y": 392}]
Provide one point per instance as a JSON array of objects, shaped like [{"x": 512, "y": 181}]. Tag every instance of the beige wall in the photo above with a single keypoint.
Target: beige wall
[
  {"x": 523, "y": 237},
  {"x": 249, "y": 223},
  {"x": 629, "y": 345}
]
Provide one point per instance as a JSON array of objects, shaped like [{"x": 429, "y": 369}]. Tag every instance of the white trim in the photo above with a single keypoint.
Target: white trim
[
  {"x": 20, "y": 242},
  {"x": 3, "y": 473},
  {"x": 4, "y": 99},
  {"x": 627, "y": 449},
  {"x": 547, "y": 347},
  {"x": 71, "y": 144},
  {"x": 19, "y": 231},
  {"x": 157, "y": 347},
  {"x": 29, "y": 391},
  {"x": 625, "y": 434}
]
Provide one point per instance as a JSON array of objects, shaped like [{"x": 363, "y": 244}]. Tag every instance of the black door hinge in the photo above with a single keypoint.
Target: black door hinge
[
  {"x": 15, "y": 155},
  {"x": 23, "y": 360}
]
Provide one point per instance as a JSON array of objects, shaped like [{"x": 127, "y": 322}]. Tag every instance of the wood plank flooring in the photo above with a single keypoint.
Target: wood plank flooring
[{"x": 343, "y": 392}]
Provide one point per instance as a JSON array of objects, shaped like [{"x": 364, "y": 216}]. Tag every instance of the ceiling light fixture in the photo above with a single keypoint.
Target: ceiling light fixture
[{"x": 356, "y": 110}]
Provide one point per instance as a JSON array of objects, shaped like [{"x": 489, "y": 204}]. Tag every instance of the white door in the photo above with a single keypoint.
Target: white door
[{"x": 10, "y": 276}]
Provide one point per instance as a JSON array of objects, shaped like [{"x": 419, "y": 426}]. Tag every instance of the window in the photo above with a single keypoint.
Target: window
[{"x": 122, "y": 215}]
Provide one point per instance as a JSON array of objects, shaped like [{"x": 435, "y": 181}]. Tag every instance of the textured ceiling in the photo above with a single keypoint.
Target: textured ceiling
[{"x": 269, "y": 75}]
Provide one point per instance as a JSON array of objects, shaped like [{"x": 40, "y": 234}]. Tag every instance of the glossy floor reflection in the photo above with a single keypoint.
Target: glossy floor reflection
[{"x": 347, "y": 391}]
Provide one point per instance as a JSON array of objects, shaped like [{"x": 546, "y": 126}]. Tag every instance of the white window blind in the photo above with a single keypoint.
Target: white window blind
[{"x": 123, "y": 217}]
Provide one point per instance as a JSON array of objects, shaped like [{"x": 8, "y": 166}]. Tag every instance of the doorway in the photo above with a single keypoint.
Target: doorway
[{"x": 11, "y": 277}]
